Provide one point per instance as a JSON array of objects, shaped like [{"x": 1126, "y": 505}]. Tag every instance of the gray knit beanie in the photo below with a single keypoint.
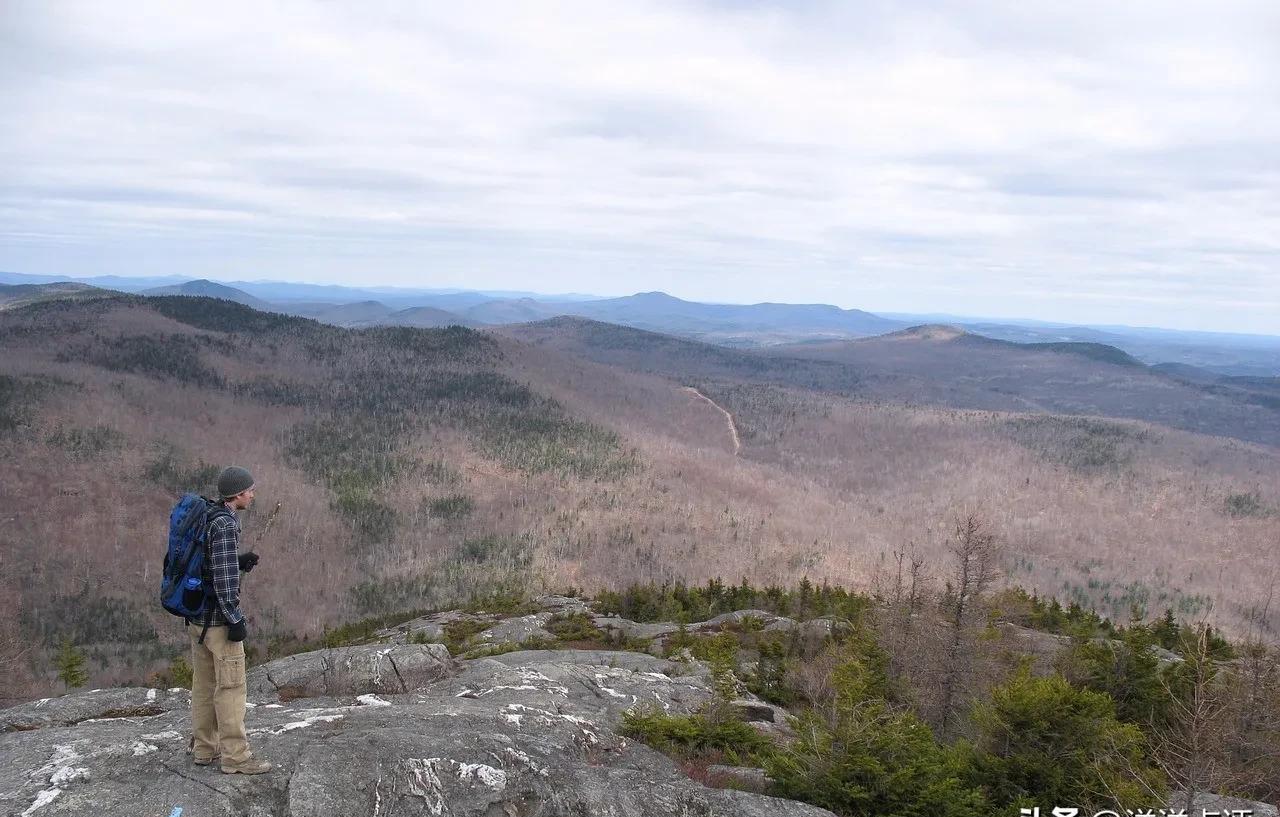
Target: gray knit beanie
[{"x": 234, "y": 480}]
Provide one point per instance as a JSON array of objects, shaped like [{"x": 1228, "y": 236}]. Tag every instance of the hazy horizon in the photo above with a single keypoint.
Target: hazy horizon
[
  {"x": 1011, "y": 320},
  {"x": 1092, "y": 165}
]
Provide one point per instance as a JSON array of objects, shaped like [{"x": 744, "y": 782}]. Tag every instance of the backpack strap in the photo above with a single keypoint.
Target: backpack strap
[{"x": 208, "y": 617}]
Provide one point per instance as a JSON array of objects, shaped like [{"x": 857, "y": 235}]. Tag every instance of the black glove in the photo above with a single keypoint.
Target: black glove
[
  {"x": 238, "y": 631},
  {"x": 248, "y": 561}
]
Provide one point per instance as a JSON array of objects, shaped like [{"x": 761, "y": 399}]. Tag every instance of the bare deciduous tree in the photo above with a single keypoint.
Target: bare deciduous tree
[
  {"x": 905, "y": 601},
  {"x": 16, "y": 682},
  {"x": 974, "y": 567},
  {"x": 1191, "y": 743},
  {"x": 1254, "y": 705}
]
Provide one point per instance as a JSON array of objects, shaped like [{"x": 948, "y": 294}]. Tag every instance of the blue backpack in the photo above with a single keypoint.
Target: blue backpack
[{"x": 183, "y": 589}]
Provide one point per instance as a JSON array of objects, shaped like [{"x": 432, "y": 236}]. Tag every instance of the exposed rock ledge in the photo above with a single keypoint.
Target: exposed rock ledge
[
  {"x": 403, "y": 730},
  {"x": 399, "y": 728}
]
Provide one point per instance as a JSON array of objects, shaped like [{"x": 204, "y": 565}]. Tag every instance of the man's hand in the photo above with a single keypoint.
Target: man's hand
[
  {"x": 238, "y": 631},
  {"x": 248, "y": 561}
]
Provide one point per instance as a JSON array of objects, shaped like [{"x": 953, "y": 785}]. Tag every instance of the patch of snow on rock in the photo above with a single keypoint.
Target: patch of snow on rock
[
  {"x": 292, "y": 725},
  {"x": 66, "y": 774},
  {"x": 43, "y": 799}
]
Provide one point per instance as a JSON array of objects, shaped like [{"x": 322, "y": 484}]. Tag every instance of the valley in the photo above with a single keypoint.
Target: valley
[{"x": 415, "y": 467}]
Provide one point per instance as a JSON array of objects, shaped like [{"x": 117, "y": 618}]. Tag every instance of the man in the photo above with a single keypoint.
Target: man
[{"x": 217, "y": 658}]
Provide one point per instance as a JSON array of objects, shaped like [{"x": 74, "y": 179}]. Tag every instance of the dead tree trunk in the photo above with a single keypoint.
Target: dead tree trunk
[
  {"x": 973, "y": 570},
  {"x": 1191, "y": 742}
]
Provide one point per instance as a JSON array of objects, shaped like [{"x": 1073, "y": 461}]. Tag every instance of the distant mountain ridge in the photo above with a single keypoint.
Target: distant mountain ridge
[
  {"x": 423, "y": 317},
  {"x": 204, "y": 288},
  {"x": 717, "y": 323},
  {"x": 729, "y": 325},
  {"x": 18, "y": 295},
  {"x": 945, "y": 333}
]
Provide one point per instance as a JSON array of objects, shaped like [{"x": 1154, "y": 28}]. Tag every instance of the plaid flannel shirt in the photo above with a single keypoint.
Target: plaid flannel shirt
[{"x": 222, "y": 570}]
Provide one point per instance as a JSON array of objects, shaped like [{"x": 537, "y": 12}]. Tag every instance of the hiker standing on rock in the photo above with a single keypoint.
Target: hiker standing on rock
[{"x": 217, "y": 639}]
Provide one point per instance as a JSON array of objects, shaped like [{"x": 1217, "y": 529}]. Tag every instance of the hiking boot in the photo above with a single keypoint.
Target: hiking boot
[
  {"x": 251, "y": 766},
  {"x": 206, "y": 761}
]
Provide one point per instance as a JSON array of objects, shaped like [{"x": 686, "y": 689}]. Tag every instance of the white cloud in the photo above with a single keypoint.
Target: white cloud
[{"x": 1088, "y": 161}]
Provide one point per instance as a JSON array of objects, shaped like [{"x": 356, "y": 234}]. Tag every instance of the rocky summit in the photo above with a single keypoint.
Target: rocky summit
[
  {"x": 482, "y": 725},
  {"x": 386, "y": 729}
]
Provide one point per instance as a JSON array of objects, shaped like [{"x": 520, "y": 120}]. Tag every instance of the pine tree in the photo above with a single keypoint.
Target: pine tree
[
  {"x": 71, "y": 669},
  {"x": 1126, "y": 669},
  {"x": 1166, "y": 630},
  {"x": 1042, "y": 740},
  {"x": 874, "y": 760}
]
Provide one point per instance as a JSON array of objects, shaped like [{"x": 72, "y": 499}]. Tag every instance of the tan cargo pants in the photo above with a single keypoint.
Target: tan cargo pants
[{"x": 218, "y": 696}]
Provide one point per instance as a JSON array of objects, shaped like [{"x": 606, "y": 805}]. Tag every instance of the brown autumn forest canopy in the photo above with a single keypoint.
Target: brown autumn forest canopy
[{"x": 413, "y": 466}]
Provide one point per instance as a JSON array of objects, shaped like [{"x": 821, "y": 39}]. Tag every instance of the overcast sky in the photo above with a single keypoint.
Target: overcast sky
[{"x": 1109, "y": 162}]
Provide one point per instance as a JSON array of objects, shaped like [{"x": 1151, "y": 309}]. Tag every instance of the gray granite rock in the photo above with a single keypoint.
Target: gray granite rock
[
  {"x": 594, "y": 684},
  {"x": 430, "y": 628},
  {"x": 530, "y": 734},
  {"x": 370, "y": 668},
  {"x": 621, "y": 659},
  {"x": 758, "y": 711},
  {"x": 736, "y": 617},
  {"x": 516, "y": 630},
  {"x": 633, "y": 629},
  {"x": 561, "y": 604},
  {"x": 98, "y": 704},
  {"x": 781, "y": 624},
  {"x": 824, "y": 627},
  {"x": 1043, "y": 648},
  {"x": 1167, "y": 657}
]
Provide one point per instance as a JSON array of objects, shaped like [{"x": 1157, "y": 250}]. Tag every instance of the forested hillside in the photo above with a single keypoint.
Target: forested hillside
[{"x": 413, "y": 467}]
